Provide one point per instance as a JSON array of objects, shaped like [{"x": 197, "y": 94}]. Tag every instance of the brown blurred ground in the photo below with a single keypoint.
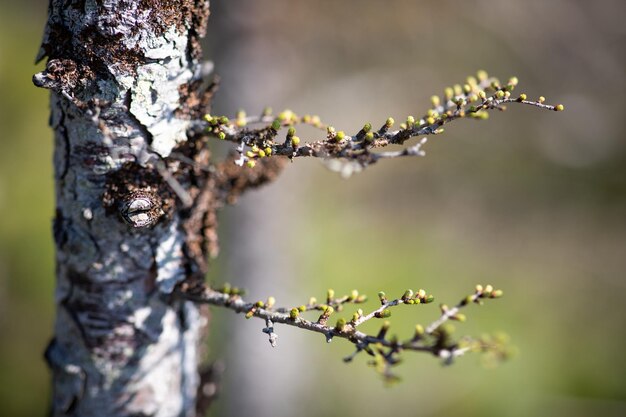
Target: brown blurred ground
[{"x": 533, "y": 202}]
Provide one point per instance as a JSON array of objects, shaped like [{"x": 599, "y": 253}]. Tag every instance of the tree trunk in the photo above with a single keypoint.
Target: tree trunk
[{"x": 132, "y": 221}]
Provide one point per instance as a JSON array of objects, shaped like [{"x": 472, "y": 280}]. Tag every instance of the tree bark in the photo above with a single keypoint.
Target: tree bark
[{"x": 132, "y": 221}]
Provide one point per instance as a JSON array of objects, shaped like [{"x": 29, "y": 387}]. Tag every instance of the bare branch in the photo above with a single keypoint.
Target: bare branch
[
  {"x": 471, "y": 100},
  {"x": 434, "y": 339}
]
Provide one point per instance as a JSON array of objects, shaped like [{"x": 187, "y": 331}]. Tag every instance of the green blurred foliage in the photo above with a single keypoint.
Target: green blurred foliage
[
  {"x": 26, "y": 210},
  {"x": 529, "y": 201}
]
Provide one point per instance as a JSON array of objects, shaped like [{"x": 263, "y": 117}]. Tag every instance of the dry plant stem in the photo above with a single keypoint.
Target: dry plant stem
[
  {"x": 471, "y": 100},
  {"x": 238, "y": 305},
  {"x": 447, "y": 314},
  {"x": 348, "y": 331}
]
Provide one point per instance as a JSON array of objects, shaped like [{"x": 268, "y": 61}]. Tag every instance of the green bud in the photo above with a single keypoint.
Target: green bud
[
  {"x": 251, "y": 163},
  {"x": 500, "y": 94},
  {"x": 294, "y": 313},
  {"x": 221, "y": 135},
  {"x": 330, "y": 294},
  {"x": 267, "y": 111},
  {"x": 249, "y": 314},
  {"x": 238, "y": 291},
  {"x": 302, "y": 308},
  {"x": 429, "y": 299},
  {"x": 559, "y": 107},
  {"x": 384, "y": 314},
  {"x": 340, "y": 136},
  {"x": 410, "y": 121},
  {"x": 295, "y": 141},
  {"x": 369, "y": 137},
  {"x": 448, "y": 93},
  {"x": 481, "y": 114},
  {"x": 286, "y": 115},
  {"x": 223, "y": 120},
  {"x": 459, "y": 317},
  {"x": 482, "y": 75},
  {"x": 261, "y": 153},
  {"x": 276, "y": 125},
  {"x": 541, "y": 99},
  {"x": 434, "y": 100},
  {"x": 488, "y": 288},
  {"x": 341, "y": 324},
  {"x": 389, "y": 122},
  {"x": 271, "y": 301},
  {"x": 419, "y": 330},
  {"x": 497, "y": 293},
  {"x": 259, "y": 304},
  {"x": 467, "y": 300},
  {"x": 407, "y": 294},
  {"x": 522, "y": 97},
  {"x": 367, "y": 127}
]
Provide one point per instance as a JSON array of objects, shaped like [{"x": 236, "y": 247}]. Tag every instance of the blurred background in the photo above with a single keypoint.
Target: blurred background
[{"x": 530, "y": 201}]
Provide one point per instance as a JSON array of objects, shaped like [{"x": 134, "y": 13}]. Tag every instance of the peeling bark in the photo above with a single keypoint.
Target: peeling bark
[{"x": 125, "y": 81}]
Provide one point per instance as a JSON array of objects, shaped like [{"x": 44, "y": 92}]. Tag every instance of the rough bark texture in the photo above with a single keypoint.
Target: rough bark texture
[{"x": 125, "y": 80}]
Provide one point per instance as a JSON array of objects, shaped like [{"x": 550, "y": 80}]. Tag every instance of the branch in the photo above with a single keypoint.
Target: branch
[
  {"x": 232, "y": 179},
  {"x": 257, "y": 137},
  {"x": 434, "y": 339}
]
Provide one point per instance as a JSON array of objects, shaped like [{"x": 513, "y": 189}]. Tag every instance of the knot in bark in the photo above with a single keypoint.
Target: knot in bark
[
  {"x": 141, "y": 208},
  {"x": 59, "y": 75}
]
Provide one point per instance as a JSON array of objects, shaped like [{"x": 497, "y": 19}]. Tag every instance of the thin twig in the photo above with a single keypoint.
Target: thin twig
[{"x": 432, "y": 340}]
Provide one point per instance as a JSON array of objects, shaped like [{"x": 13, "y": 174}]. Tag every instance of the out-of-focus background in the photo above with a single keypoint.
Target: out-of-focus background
[{"x": 533, "y": 202}]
